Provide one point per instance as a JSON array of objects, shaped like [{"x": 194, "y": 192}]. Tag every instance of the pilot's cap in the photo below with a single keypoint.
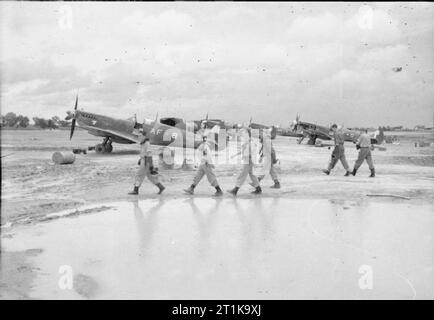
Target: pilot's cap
[{"x": 334, "y": 125}]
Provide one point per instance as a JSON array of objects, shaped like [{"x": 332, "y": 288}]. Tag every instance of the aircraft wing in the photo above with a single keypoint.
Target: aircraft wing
[
  {"x": 288, "y": 133},
  {"x": 119, "y": 137},
  {"x": 319, "y": 134}
]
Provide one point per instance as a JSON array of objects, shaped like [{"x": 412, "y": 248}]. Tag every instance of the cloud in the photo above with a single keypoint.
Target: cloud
[
  {"x": 235, "y": 60},
  {"x": 368, "y": 25}
]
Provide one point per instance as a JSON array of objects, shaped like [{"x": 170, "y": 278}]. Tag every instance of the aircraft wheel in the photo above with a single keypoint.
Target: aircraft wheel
[
  {"x": 99, "y": 148},
  {"x": 108, "y": 148}
]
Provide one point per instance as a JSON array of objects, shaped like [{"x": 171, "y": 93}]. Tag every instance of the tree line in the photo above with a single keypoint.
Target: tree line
[{"x": 12, "y": 120}]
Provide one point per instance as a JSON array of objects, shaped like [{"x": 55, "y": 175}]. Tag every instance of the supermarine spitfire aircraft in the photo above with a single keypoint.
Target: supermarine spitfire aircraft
[
  {"x": 166, "y": 132},
  {"x": 313, "y": 131}
]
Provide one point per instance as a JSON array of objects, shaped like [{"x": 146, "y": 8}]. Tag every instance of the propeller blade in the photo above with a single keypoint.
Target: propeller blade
[
  {"x": 156, "y": 121},
  {"x": 72, "y": 128},
  {"x": 76, "y": 102}
]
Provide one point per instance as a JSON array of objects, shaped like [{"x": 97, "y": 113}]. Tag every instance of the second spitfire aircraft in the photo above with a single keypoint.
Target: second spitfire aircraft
[
  {"x": 313, "y": 131},
  {"x": 166, "y": 132}
]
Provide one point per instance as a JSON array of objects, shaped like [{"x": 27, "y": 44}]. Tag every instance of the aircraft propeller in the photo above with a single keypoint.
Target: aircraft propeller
[
  {"x": 156, "y": 121},
  {"x": 205, "y": 122},
  {"x": 296, "y": 121},
  {"x": 72, "y": 115}
]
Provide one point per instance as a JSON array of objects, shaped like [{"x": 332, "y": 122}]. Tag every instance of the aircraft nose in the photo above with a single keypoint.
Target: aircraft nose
[{"x": 69, "y": 116}]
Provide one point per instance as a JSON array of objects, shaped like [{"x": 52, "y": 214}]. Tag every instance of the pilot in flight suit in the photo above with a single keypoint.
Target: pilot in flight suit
[
  {"x": 338, "y": 152},
  {"x": 146, "y": 168},
  {"x": 205, "y": 168},
  {"x": 268, "y": 154},
  {"x": 246, "y": 152},
  {"x": 364, "y": 146}
]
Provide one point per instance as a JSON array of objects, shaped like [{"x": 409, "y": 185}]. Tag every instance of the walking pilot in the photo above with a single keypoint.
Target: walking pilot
[
  {"x": 338, "y": 152},
  {"x": 268, "y": 154},
  {"x": 363, "y": 144},
  {"x": 146, "y": 167},
  {"x": 206, "y": 167},
  {"x": 246, "y": 153}
]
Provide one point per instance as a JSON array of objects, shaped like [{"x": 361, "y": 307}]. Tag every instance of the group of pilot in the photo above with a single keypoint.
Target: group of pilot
[{"x": 267, "y": 154}]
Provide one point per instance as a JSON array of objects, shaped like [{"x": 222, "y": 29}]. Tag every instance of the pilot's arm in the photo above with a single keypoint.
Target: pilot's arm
[{"x": 358, "y": 142}]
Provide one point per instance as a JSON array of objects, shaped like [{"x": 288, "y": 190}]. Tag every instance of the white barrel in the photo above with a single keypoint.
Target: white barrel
[{"x": 63, "y": 158}]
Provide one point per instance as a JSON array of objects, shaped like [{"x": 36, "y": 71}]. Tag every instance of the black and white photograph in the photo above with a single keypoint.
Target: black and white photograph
[{"x": 217, "y": 151}]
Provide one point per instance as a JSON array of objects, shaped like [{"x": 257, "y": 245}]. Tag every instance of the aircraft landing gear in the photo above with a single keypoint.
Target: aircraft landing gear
[
  {"x": 99, "y": 148},
  {"x": 108, "y": 147},
  {"x": 312, "y": 140},
  {"x": 104, "y": 147}
]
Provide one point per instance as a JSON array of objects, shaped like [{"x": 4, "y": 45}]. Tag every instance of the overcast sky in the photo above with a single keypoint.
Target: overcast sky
[{"x": 329, "y": 62}]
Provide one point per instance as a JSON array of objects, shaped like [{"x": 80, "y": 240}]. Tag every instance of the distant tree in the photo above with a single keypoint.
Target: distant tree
[
  {"x": 51, "y": 124},
  {"x": 55, "y": 120},
  {"x": 22, "y": 121},
  {"x": 59, "y": 122},
  {"x": 40, "y": 122},
  {"x": 10, "y": 119},
  {"x": 64, "y": 123}
]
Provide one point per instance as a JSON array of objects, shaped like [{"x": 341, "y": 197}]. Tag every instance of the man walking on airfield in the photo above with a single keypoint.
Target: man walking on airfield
[
  {"x": 206, "y": 168},
  {"x": 146, "y": 168},
  {"x": 246, "y": 153},
  {"x": 268, "y": 154},
  {"x": 363, "y": 144},
  {"x": 338, "y": 152}
]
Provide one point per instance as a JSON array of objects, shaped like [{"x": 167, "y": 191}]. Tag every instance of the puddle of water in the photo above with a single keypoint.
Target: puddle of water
[{"x": 265, "y": 248}]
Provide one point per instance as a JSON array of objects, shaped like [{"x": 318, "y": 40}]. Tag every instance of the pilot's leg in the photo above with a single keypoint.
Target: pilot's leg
[
  {"x": 140, "y": 176},
  {"x": 154, "y": 178},
  {"x": 209, "y": 170},
  {"x": 242, "y": 176},
  {"x": 344, "y": 162},
  {"x": 197, "y": 178},
  {"x": 370, "y": 163},
  {"x": 199, "y": 175},
  {"x": 255, "y": 180},
  {"x": 333, "y": 160},
  {"x": 369, "y": 160},
  {"x": 359, "y": 161},
  {"x": 210, "y": 175},
  {"x": 273, "y": 175}
]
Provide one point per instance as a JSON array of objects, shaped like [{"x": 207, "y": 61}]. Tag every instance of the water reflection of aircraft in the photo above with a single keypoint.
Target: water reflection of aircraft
[
  {"x": 313, "y": 131},
  {"x": 166, "y": 132}
]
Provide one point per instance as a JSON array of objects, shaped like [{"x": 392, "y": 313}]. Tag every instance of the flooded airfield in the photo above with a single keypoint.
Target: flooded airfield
[{"x": 319, "y": 237}]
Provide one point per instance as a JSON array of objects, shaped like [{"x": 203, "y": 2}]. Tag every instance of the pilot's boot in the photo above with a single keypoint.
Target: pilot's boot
[
  {"x": 354, "y": 172},
  {"x": 218, "y": 192},
  {"x": 347, "y": 173},
  {"x": 372, "y": 173},
  {"x": 258, "y": 190},
  {"x": 190, "y": 190},
  {"x": 276, "y": 184},
  {"x": 259, "y": 179},
  {"x": 234, "y": 191},
  {"x": 135, "y": 191},
  {"x": 327, "y": 172},
  {"x": 161, "y": 188}
]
